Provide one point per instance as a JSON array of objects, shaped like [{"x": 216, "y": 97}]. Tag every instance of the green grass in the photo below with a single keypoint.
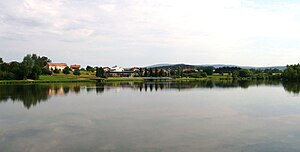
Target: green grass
[
  {"x": 212, "y": 77},
  {"x": 57, "y": 78},
  {"x": 62, "y": 78},
  {"x": 87, "y": 72}
]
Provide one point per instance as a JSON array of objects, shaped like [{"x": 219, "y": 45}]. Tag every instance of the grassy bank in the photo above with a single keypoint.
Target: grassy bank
[
  {"x": 51, "y": 79},
  {"x": 61, "y": 78},
  {"x": 213, "y": 78}
]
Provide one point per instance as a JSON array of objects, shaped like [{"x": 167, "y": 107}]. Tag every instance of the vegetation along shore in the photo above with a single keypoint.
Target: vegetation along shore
[{"x": 40, "y": 69}]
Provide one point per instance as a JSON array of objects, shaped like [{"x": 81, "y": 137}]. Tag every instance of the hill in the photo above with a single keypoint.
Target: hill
[{"x": 175, "y": 66}]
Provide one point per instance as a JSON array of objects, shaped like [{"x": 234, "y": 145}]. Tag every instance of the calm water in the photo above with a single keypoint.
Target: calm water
[{"x": 151, "y": 117}]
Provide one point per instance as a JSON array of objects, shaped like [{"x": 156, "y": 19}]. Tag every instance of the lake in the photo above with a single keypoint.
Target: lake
[{"x": 245, "y": 116}]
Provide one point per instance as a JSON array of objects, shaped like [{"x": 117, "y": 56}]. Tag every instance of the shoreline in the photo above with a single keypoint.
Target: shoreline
[{"x": 65, "y": 79}]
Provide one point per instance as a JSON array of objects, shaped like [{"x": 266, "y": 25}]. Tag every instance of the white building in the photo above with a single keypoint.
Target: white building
[
  {"x": 59, "y": 66},
  {"x": 116, "y": 69}
]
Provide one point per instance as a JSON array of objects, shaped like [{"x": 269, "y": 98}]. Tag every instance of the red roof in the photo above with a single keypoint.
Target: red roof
[
  {"x": 57, "y": 64},
  {"x": 75, "y": 66}
]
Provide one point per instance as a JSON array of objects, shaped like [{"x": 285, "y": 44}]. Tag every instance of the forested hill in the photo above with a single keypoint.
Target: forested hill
[{"x": 175, "y": 66}]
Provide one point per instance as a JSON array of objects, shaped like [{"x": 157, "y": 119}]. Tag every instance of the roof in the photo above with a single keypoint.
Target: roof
[
  {"x": 57, "y": 64},
  {"x": 75, "y": 66}
]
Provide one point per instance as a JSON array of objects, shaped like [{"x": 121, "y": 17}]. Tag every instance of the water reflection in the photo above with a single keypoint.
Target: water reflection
[
  {"x": 154, "y": 116},
  {"x": 31, "y": 95}
]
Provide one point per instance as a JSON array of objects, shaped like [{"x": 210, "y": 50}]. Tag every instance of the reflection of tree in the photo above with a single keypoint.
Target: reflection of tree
[
  {"x": 100, "y": 88},
  {"x": 31, "y": 95},
  {"x": 180, "y": 85},
  {"x": 76, "y": 89},
  {"x": 292, "y": 87}
]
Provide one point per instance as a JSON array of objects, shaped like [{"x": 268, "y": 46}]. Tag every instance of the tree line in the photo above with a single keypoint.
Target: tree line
[
  {"x": 292, "y": 72},
  {"x": 31, "y": 67}
]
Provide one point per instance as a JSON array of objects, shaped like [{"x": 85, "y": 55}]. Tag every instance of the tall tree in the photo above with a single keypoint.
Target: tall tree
[
  {"x": 156, "y": 72},
  {"x": 28, "y": 61},
  {"x": 100, "y": 72},
  {"x": 89, "y": 68},
  {"x": 161, "y": 73},
  {"x": 244, "y": 73},
  {"x": 151, "y": 72}
]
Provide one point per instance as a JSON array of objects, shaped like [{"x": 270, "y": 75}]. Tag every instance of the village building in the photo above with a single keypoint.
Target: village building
[
  {"x": 188, "y": 70},
  {"x": 75, "y": 66},
  {"x": 116, "y": 69},
  {"x": 135, "y": 69},
  {"x": 106, "y": 69},
  {"x": 59, "y": 66}
]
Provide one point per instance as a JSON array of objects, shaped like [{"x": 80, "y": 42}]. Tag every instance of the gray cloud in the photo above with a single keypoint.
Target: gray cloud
[{"x": 142, "y": 32}]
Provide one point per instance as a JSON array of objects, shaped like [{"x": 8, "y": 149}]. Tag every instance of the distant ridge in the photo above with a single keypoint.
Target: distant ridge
[
  {"x": 158, "y": 65},
  {"x": 213, "y": 65}
]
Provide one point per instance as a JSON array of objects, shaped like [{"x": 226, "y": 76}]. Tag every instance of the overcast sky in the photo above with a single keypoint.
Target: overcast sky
[{"x": 145, "y": 32}]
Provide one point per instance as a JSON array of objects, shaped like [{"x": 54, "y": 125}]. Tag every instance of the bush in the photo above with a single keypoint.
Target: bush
[
  {"x": 45, "y": 71},
  {"x": 244, "y": 73},
  {"x": 56, "y": 71},
  {"x": 76, "y": 72},
  {"x": 66, "y": 70}
]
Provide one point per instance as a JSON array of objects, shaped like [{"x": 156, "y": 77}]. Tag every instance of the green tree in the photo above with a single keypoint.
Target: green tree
[
  {"x": 161, "y": 73},
  {"x": 1, "y": 60},
  {"x": 66, "y": 70},
  {"x": 46, "y": 71},
  {"x": 156, "y": 72},
  {"x": 41, "y": 61},
  {"x": 35, "y": 73},
  {"x": 100, "y": 72},
  {"x": 146, "y": 72},
  {"x": 292, "y": 72},
  {"x": 89, "y": 68},
  {"x": 244, "y": 73},
  {"x": 56, "y": 71},
  {"x": 208, "y": 70},
  {"x": 203, "y": 74},
  {"x": 76, "y": 72},
  {"x": 28, "y": 61},
  {"x": 179, "y": 72},
  {"x": 151, "y": 72}
]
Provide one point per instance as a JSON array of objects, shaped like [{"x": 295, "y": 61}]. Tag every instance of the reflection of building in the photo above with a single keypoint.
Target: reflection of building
[
  {"x": 63, "y": 90},
  {"x": 59, "y": 66},
  {"x": 56, "y": 91}
]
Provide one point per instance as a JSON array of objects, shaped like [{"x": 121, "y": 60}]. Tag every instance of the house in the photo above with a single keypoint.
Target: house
[
  {"x": 116, "y": 69},
  {"x": 135, "y": 69},
  {"x": 75, "y": 66},
  {"x": 106, "y": 69},
  {"x": 59, "y": 66},
  {"x": 190, "y": 70}
]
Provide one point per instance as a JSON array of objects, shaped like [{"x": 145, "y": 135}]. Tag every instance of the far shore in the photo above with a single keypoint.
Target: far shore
[{"x": 60, "y": 78}]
